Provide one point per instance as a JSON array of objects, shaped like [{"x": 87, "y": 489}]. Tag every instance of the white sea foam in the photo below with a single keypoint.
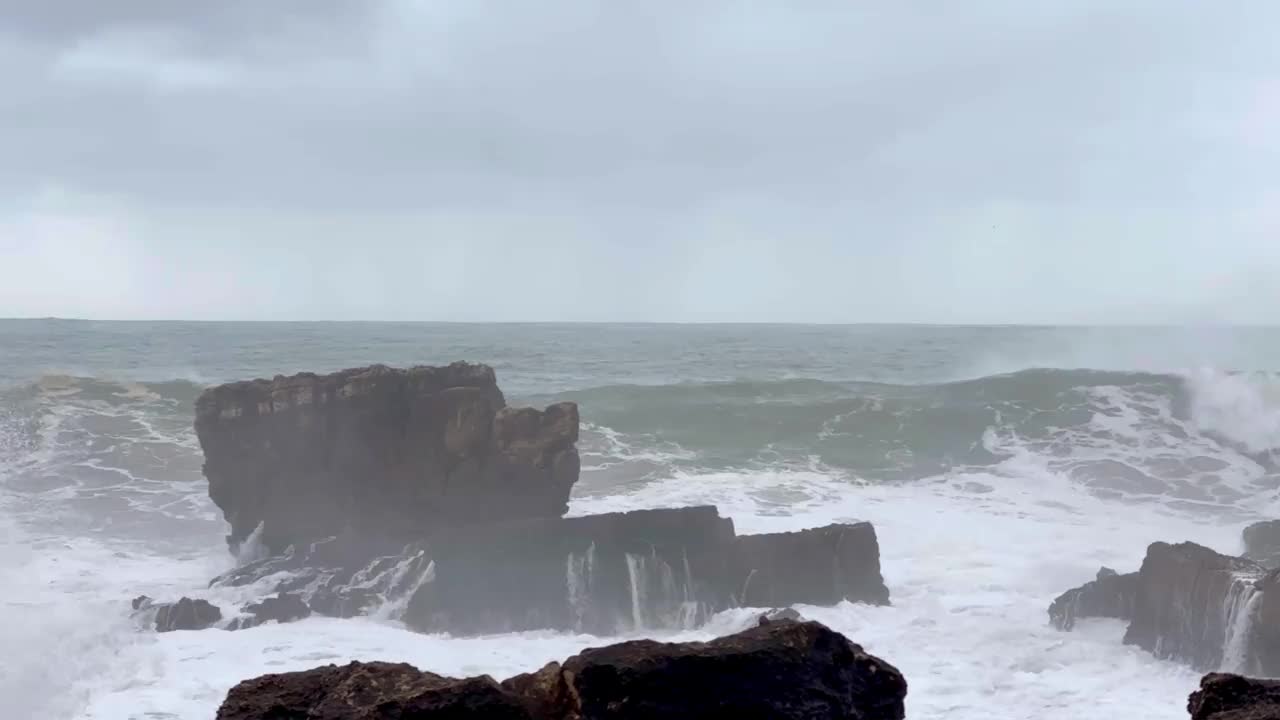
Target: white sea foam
[{"x": 971, "y": 573}]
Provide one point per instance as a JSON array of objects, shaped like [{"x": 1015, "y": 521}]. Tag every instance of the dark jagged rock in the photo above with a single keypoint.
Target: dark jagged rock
[
  {"x": 142, "y": 602},
  {"x": 820, "y": 566},
  {"x": 1224, "y": 696},
  {"x": 1190, "y": 602},
  {"x": 1110, "y": 595},
  {"x": 369, "y": 691},
  {"x": 1262, "y": 543},
  {"x": 784, "y": 670},
  {"x": 380, "y": 451},
  {"x": 186, "y": 614},
  {"x": 283, "y": 608},
  {"x": 779, "y": 670}
]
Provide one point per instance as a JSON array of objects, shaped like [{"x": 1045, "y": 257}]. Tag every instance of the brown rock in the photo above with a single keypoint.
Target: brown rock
[
  {"x": 369, "y": 691},
  {"x": 781, "y": 671},
  {"x": 1231, "y": 697}
]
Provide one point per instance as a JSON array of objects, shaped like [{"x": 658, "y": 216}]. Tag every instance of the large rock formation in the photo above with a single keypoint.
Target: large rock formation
[
  {"x": 380, "y": 451},
  {"x": 1262, "y": 543},
  {"x": 419, "y": 492},
  {"x": 1232, "y": 697},
  {"x": 1109, "y": 595},
  {"x": 639, "y": 570},
  {"x": 1195, "y": 605},
  {"x": 600, "y": 574},
  {"x": 779, "y": 670}
]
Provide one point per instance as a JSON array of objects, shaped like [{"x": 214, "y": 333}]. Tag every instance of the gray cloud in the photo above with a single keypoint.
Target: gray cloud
[{"x": 707, "y": 160}]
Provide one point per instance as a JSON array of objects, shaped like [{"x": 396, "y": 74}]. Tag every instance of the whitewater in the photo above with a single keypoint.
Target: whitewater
[{"x": 1000, "y": 467}]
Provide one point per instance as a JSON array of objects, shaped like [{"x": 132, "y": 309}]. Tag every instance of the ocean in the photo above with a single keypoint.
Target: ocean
[{"x": 1000, "y": 466}]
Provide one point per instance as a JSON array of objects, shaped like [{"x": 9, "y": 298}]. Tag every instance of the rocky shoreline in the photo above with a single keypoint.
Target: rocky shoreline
[{"x": 419, "y": 495}]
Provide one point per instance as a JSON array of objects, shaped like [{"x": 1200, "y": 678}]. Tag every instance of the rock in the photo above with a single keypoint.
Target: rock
[
  {"x": 781, "y": 671},
  {"x": 142, "y": 602},
  {"x": 380, "y": 452},
  {"x": 420, "y": 492},
  {"x": 1262, "y": 543},
  {"x": 1194, "y": 605},
  {"x": 622, "y": 572},
  {"x": 819, "y": 566},
  {"x": 600, "y": 574},
  {"x": 1110, "y": 595},
  {"x": 1231, "y": 697},
  {"x": 1262, "y": 652},
  {"x": 186, "y": 614},
  {"x": 369, "y": 691},
  {"x": 283, "y": 608}
]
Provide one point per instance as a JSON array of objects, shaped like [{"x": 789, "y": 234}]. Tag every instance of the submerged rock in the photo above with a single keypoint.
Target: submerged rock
[
  {"x": 1194, "y": 605},
  {"x": 185, "y": 614},
  {"x": 782, "y": 670},
  {"x": 381, "y": 451},
  {"x": 1232, "y": 697},
  {"x": 1262, "y": 543},
  {"x": 1109, "y": 595}
]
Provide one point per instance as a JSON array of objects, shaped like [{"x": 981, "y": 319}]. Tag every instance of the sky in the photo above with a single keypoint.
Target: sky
[{"x": 996, "y": 161}]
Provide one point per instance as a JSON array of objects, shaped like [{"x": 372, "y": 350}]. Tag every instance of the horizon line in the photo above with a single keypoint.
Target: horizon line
[{"x": 795, "y": 323}]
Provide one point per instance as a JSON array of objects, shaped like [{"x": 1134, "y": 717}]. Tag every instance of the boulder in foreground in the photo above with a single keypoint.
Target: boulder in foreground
[
  {"x": 780, "y": 670},
  {"x": 1224, "y": 696}
]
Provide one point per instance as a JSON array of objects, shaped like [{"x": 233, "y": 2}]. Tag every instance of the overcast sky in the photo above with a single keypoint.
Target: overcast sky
[{"x": 700, "y": 160}]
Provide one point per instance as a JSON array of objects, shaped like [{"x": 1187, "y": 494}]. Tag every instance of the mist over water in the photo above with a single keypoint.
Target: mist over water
[{"x": 1000, "y": 466}]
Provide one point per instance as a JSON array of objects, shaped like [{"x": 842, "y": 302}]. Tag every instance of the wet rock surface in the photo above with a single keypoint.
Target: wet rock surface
[
  {"x": 1225, "y": 696},
  {"x": 185, "y": 614},
  {"x": 1194, "y": 605},
  {"x": 382, "y": 451},
  {"x": 283, "y": 608},
  {"x": 417, "y": 494},
  {"x": 781, "y": 670}
]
